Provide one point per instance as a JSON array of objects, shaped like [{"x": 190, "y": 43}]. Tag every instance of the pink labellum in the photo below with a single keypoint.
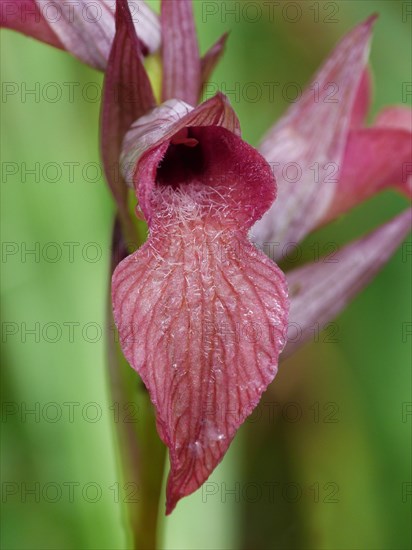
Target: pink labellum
[
  {"x": 83, "y": 28},
  {"x": 306, "y": 146},
  {"x": 319, "y": 291},
  {"x": 201, "y": 313}
]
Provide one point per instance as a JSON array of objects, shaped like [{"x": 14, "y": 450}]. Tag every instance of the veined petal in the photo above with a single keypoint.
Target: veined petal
[
  {"x": 307, "y": 144},
  {"x": 127, "y": 95},
  {"x": 85, "y": 29},
  {"x": 26, "y": 17},
  {"x": 201, "y": 313},
  {"x": 212, "y": 57},
  {"x": 180, "y": 52},
  {"x": 375, "y": 159},
  {"x": 319, "y": 291},
  {"x": 168, "y": 119}
]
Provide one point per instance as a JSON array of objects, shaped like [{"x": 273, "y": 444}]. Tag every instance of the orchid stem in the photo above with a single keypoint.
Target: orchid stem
[
  {"x": 128, "y": 228},
  {"x": 141, "y": 451}
]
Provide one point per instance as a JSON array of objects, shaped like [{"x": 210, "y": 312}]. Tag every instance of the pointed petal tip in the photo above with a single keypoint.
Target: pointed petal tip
[
  {"x": 211, "y": 58},
  {"x": 170, "y": 506},
  {"x": 370, "y": 21},
  {"x": 223, "y": 98},
  {"x": 312, "y": 130},
  {"x": 172, "y": 496},
  {"x": 366, "y": 28}
]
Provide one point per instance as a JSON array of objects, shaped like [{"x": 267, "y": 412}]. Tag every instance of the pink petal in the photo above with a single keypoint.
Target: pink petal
[
  {"x": 395, "y": 117},
  {"x": 319, "y": 291},
  {"x": 307, "y": 144},
  {"x": 362, "y": 100},
  {"x": 83, "y": 28},
  {"x": 127, "y": 95},
  {"x": 201, "y": 313},
  {"x": 180, "y": 51},
  {"x": 375, "y": 158},
  {"x": 25, "y": 16},
  {"x": 212, "y": 57},
  {"x": 168, "y": 119}
]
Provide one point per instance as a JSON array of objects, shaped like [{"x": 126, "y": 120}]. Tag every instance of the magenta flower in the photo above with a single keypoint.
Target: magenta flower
[
  {"x": 182, "y": 299},
  {"x": 202, "y": 313}
]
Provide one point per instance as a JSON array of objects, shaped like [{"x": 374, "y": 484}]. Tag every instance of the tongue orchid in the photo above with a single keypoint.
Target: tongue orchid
[{"x": 202, "y": 313}]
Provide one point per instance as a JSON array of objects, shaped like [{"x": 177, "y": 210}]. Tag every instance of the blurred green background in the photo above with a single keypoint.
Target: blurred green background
[{"x": 325, "y": 461}]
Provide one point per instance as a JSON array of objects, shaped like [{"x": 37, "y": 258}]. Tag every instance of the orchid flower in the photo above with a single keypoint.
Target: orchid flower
[{"x": 202, "y": 312}]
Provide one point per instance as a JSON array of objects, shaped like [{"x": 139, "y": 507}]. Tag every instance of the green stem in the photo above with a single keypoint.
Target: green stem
[
  {"x": 128, "y": 228},
  {"x": 142, "y": 453}
]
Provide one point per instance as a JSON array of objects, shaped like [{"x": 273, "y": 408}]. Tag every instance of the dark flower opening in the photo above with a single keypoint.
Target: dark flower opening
[
  {"x": 205, "y": 172},
  {"x": 185, "y": 160}
]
